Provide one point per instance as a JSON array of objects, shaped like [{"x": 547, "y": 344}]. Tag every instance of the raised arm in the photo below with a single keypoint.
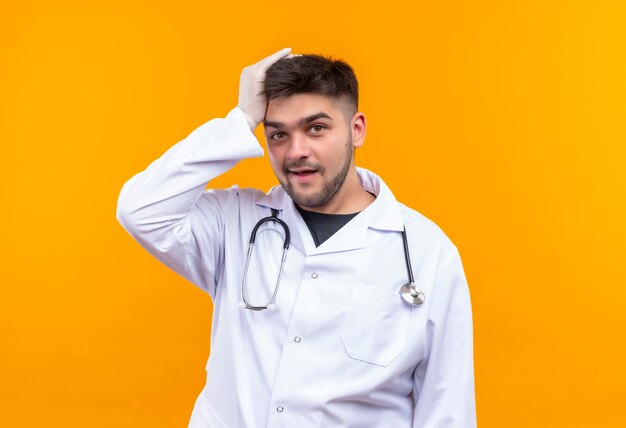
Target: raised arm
[{"x": 161, "y": 207}]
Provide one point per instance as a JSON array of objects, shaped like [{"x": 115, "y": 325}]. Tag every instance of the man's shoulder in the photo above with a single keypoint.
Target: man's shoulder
[{"x": 422, "y": 227}]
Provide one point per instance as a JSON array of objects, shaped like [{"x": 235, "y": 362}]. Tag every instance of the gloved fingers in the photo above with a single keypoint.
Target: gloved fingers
[
  {"x": 266, "y": 62},
  {"x": 251, "y": 100}
]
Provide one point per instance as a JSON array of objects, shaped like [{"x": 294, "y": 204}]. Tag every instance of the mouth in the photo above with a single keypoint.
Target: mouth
[
  {"x": 303, "y": 175},
  {"x": 302, "y": 172}
]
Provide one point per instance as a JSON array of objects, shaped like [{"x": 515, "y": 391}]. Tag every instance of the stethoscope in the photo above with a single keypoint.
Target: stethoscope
[{"x": 410, "y": 292}]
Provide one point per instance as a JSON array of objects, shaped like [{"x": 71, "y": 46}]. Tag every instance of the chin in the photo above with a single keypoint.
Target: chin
[{"x": 304, "y": 200}]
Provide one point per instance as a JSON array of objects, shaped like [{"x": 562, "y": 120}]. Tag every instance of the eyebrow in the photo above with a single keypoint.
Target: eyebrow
[{"x": 304, "y": 120}]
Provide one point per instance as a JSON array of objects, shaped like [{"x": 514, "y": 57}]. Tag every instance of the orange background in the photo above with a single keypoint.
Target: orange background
[{"x": 502, "y": 121}]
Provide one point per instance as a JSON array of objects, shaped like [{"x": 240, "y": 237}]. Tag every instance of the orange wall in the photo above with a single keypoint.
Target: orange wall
[{"x": 503, "y": 121}]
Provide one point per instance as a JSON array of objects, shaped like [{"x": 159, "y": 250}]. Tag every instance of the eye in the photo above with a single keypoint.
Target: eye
[
  {"x": 277, "y": 136},
  {"x": 316, "y": 129}
]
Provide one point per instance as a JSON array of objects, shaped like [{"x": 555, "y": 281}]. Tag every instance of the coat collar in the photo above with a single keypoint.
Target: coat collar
[{"x": 384, "y": 213}]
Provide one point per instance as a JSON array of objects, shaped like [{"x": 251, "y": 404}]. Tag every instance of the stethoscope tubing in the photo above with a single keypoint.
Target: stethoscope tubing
[
  {"x": 407, "y": 257},
  {"x": 286, "y": 243}
]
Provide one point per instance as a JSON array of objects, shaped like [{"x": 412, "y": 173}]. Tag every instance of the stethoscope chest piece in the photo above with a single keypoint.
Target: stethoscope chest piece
[{"x": 412, "y": 294}]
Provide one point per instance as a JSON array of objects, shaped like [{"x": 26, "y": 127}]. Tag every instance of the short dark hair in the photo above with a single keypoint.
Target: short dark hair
[{"x": 312, "y": 74}]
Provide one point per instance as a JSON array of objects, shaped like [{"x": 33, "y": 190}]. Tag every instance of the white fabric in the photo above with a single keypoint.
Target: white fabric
[{"x": 342, "y": 349}]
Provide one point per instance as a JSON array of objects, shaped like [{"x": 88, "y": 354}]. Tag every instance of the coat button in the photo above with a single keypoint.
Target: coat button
[
  {"x": 314, "y": 275},
  {"x": 279, "y": 409}
]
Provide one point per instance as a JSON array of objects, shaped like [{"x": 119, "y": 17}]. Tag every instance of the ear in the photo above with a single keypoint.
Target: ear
[{"x": 358, "y": 126}]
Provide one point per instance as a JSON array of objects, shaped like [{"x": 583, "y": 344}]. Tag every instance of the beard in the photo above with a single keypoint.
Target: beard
[{"x": 330, "y": 186}]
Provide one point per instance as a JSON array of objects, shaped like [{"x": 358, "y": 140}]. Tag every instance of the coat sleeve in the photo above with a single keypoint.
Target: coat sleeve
[
  {"x": 167, "y": 209},
  {"x": 443, "y": 383}
]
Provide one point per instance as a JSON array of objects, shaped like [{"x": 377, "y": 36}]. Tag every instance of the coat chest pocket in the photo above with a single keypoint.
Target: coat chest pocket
[{"x": 375, "y": 325}]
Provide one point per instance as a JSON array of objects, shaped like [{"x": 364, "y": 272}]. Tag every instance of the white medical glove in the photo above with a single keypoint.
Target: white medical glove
[{"x": 251, "y": 101}]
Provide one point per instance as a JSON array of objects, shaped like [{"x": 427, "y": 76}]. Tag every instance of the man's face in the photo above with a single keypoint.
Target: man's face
[{"x": 311, "y": 146}]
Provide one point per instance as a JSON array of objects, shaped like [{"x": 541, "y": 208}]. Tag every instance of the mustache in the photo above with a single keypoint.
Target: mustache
[{"x": 302, "y": 163}]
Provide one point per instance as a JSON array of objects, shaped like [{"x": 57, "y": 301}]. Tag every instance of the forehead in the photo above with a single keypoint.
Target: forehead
[{"x": 294, "y": 107}]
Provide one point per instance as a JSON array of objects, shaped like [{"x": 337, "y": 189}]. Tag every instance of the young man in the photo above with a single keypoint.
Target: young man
[{"x": 319, "y": 323}]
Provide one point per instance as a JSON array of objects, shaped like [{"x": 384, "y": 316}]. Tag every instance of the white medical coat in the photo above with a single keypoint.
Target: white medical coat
[{"x": 341, "y": 349}]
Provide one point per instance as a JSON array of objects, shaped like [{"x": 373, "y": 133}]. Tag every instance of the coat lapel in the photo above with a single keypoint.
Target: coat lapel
[
  {"x": 278, "y": 199},
  {"x": 383, "y": 214}
]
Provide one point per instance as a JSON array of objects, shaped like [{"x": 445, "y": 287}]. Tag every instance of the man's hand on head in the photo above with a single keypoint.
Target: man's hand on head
[{"x": 251, "y": 100}]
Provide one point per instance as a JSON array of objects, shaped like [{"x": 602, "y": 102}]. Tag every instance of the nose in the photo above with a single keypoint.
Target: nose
[{"x": 298, "y": 146}]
